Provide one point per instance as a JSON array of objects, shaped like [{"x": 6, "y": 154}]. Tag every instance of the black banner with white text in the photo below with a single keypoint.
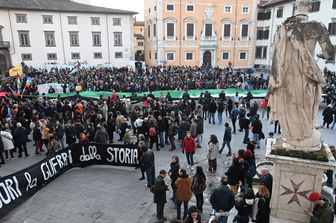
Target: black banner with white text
[{"x": 18, "y": 187}]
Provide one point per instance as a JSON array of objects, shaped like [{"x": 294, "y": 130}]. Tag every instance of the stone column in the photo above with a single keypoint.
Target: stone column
[{"x": 293, "y": 181}]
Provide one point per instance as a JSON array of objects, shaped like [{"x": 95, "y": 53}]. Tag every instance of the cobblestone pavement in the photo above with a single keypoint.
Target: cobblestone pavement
[{"x": 103, "y": 194}]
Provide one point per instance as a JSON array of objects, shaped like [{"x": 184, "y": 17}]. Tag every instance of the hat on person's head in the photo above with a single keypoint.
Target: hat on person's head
[
  {"x": 314, "y": 196},
  {"x": 162, "y": 171},
  {"x": 247, "y": 153}
]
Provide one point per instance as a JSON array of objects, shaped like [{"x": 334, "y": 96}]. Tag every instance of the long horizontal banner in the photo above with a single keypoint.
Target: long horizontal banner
[
  {"x": 18, "y": 187},
  {"x": 174, "y": 94}
]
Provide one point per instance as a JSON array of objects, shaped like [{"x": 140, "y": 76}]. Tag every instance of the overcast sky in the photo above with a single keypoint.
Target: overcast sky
[{"x": 131, "y": 5}]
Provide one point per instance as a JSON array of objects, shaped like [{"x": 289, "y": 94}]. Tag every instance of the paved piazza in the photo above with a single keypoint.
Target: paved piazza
[{"x": 102, "y": 194}]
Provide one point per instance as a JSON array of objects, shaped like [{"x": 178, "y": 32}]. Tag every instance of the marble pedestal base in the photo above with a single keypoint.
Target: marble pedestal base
[{"x": 293, "y": 181}]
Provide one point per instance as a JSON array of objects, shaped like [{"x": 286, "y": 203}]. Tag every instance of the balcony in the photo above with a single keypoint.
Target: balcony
[
  {"x": 208, "y": 42},
  {"x": 4, "y": 45}
]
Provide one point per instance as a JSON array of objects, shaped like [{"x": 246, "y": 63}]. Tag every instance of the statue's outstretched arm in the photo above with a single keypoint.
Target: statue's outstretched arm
[{"x": 328, "y": 49}]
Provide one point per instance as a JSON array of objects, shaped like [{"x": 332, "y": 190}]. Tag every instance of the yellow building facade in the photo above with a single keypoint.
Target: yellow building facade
[
  {"x": 200, "y": 32},
  {"x": 139, "y": 45}
]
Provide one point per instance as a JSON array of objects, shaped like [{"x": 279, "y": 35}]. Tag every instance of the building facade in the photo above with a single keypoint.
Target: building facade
[
  {"x": 41, "y": 32},
  {"x": 139, "y": 39},
  {"x": 200, "y": 32},
  {"x": 272, "y": 14}
]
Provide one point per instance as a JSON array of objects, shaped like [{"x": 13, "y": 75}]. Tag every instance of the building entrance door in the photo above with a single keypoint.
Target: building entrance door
[
  {"x": 3, "y": 66},
  {"x": 207, "y": 58}
]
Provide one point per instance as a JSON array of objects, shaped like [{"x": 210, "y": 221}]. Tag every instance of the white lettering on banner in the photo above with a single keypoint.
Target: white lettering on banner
[
  {"x": 31, "y": 183},
  {"x": 8, "y": 193},
  {"x": 92, "y": 154},
  {"x": 49, "y": 168},
  {"x": 122, "y": 155}
]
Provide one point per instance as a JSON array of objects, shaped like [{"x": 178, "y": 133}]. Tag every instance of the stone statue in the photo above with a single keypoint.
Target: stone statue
[{"x": 295, "y": 82}]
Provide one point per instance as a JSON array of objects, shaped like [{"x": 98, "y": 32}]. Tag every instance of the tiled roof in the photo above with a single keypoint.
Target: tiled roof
[{"x": 58, "y": 5}]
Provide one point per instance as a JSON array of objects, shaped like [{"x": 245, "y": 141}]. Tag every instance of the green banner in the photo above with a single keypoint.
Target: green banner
[{"x": 175, "y": 94}]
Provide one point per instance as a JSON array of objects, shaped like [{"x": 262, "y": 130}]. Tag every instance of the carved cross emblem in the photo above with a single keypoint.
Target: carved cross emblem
[{"x": 295, "y": 191}]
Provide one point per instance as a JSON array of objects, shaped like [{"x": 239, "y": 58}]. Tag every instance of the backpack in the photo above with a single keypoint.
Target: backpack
[
  {"x": 251, "y": 171},
  {"x": 152, "y": 131}
]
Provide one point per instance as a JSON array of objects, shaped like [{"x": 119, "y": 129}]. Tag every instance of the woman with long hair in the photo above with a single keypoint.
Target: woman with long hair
[
  {"x": 213, "y": 153},
  {"x": 263, "y": 211},
  {"x": 198, "y": 186}
]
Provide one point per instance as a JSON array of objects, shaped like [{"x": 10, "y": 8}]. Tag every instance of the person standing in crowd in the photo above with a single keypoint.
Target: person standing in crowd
[
  {"x": 233, "y": 175},
  {"x": 262, "y": 206},
  {"x": 234, "y": 115},
  {"x": 245, "y": 207},
  {"x": 160, "y": 191},
  {"x": 245, "y": 124},
  {"x": 200, "y": 130},
  {"x": 111, "y": 126},
  {"x": 7, "y": 140},
  {"x": 277, "y": 127},
  {"x": 226, "y": 139},
  {"x": 198, "y": 187},
  {"x": 171, "y": 134},
  {"x": 242, "y": 114},
  {"x": 59, "y": 132},
  {"x": 220, "y": 110},
  {"x": 194, "y": 215},
  {"x": 189, "y": 148},
  {"x": 70, "y": 133},
  {"x": 101, "y": 135},
  {"x": 20, "y": 138},
  {"x": 322, "y": 212},
  {"x": 183, "y": 193},
  {"x": 267, "y": 180},
  {"x": 37, "y": 137},
  {"x": 174, "y": 173},
  {"x": 222, "y": 200},
  {"x": 148, "y": 160},
  {"x": 327, "y": 114},
  {"x": 212, "y": 111},
  {"x": 251, "y": 170},
  {"x": 256, "y": 127},
  {"x": 263, "y": 107},
  {"x": 193, "y": 128},
  {"x": 153, "y": 137},
  {"x": 53, "y": 146},
  {"x": 161, "y": 130},
  {"x": 213, "y": 154},
  {"x": 140, "y": 145}
]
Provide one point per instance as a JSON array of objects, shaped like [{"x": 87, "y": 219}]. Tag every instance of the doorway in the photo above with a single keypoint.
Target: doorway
[{"x": 207, "y": 58}]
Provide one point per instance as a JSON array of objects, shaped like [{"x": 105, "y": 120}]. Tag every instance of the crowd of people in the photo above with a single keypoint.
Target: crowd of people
[
  {"x": 148, "y": 79},
  {"x": 160, "y": 122}
]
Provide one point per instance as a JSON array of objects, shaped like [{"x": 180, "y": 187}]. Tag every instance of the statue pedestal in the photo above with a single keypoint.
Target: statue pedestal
[{"x": 293, "y": 181}]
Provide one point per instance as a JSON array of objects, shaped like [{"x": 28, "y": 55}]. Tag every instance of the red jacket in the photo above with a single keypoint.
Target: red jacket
[{"x": 189, "y": 145}]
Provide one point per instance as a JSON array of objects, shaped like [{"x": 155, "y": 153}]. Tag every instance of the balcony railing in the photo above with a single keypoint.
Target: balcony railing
[
  {"x": 208, "y": 41},
  {"x": 4, "y": 44}
]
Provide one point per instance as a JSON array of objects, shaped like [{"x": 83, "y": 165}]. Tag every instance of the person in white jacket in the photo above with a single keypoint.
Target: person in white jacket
[{"x": 7, "y": 140}]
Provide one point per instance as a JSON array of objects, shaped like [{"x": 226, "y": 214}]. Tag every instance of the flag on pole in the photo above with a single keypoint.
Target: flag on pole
[
  {"x": 74, "y": 71},
  {"x": 18, "y": 84},
  {"x": 29, "y": 82},
  {"x": 15, "y": 71}
]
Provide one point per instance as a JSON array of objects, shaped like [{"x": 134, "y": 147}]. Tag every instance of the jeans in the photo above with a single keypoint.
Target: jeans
[
  {"x": 211, "y": 117},
  {"x": 22, "y": 148},
  {"x": 185, "y": 211},
  {"x": 220, "y": 117},
  {"x": 234, "y": 125},
  {"x": 61, "y": 140},
  {"x": 161, "y": 138},
  {"x": 256, "y": 139},
  {"x": 199, "y": 139},
  {"x": 263, "y": 111},
  {"x": 150, "y": 175},
  {"x": 190, "y": 158},
  {"x": 246, "y": 135},
  {"x": 223, "y": 145}
]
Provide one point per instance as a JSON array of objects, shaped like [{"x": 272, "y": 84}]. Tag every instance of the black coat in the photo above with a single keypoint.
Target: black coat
[
  {"x": 160, "y": 189},
  {"x": 222, "y": 199},
  {"x": 174, "y": 169},
  {"x": 267, "y": 181},
  {"x": 233, "y": 174},
  {"x": 263, "y": 214},
  {"x": 20, "y": 135},
  {"x": 244, "y": 210}
]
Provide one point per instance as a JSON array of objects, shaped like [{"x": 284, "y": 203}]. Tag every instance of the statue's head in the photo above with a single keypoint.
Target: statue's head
[{"x": 303, "y": 7}]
